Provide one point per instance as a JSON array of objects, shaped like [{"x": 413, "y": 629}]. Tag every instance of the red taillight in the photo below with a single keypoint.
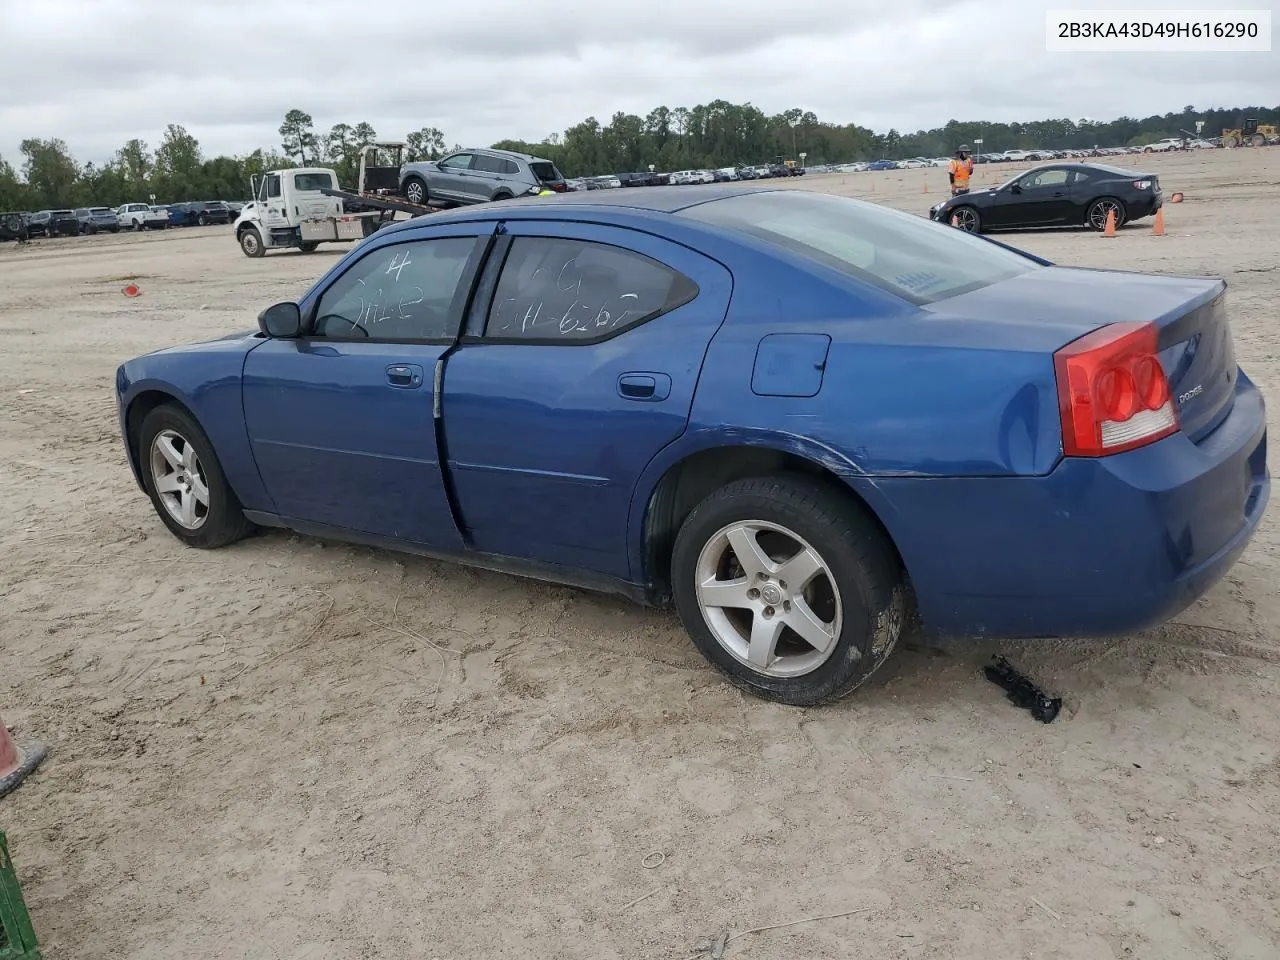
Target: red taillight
[
  {"x": 559, "y": 187},
  {"x": 1112, "y": 391}
]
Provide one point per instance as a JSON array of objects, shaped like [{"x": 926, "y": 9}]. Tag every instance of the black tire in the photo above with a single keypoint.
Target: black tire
[
  {"x": 968, "y": 217},
  {"x": 1095, "y": 217},
  {"x": 501, "y": 195},
  {"x": 864, "y": 570},
  {"x": 224, "y": 521},
  {"x": 415, "y": 191},
  {"x": 138, "y": 226},
  {"x": 308, "y": 247},
  {"x": 251, "y": 243},
  {"x": 202, "y": 220}
]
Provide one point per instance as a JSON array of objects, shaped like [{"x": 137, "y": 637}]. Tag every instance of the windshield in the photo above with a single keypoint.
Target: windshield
[
  {"x": 312, "y": 181},
  {"x": 913, "y": 258}
]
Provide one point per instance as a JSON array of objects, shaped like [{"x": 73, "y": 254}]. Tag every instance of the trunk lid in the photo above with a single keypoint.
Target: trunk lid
[{"x": 1049, "y": 308}]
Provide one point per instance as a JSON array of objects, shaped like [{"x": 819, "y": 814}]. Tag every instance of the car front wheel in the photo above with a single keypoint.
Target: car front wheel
[
  {"x": 415, "y": 191},
  {"x": 789, "y": 588},
  {"x": 967, "y": 219},
  {"x": 251, "y": 243},
  {"x": 185, "y": 481}
]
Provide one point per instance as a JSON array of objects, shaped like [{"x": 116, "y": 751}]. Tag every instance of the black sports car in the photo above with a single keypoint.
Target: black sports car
[{"x": 1055, "y": 195}]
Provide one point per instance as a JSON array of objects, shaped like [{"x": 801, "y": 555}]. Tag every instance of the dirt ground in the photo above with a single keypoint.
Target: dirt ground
[{"x": 296, "y": 749}]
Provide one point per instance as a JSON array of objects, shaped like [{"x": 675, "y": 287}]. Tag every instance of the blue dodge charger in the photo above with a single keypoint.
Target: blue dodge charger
[{"x": 802, "y": 420}]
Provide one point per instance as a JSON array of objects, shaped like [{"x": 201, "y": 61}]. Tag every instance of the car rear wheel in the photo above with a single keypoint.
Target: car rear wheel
[
  {"x": 1096, "y": 216},
  {"x": 137, "y": 226},
  {"x": 185, "y": 481},
  {"x": 251, "y": 243},
  {"x": 788, "y": 588},
  {"x": 967, "y": 219},
  {"x": 308, "y": 247},
  {"x": 415, "y": 190}
]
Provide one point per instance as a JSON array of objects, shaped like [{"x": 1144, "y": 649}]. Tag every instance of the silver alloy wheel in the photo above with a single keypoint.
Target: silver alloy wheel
[
  {"x": 249, "y": 242},
  {"x": 414, "y": 192},
  {"x": 769, "y": 598},
  {"x": 1098, "y": 213},
  {"x": 179, "y": 479},
  {"x": 966, "y": 219}
]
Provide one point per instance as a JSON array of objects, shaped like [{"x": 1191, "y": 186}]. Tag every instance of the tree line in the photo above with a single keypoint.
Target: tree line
[{"x": 715, "y": 134}]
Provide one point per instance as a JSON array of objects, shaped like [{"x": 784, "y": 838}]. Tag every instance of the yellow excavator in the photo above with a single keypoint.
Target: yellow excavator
[{"x": 1251, "y": 134}]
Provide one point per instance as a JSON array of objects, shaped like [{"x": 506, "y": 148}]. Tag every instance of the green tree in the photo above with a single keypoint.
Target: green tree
[
  {"x": 297, "y": 136},
  {"x": 425, "y": 144},
  {"x": 134, "y": 164},
  {"x": 177, "y": 170},
  {"x": 50, "y": 171},
  {"x": 13, "y": 192}
]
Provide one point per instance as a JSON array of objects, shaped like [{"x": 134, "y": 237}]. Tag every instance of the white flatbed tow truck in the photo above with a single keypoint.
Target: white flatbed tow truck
[{"x": 300, "y": 208}]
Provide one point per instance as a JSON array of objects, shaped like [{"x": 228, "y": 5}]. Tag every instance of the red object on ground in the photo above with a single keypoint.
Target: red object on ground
[
  {"x": 9, "y": 757},
  {"x": 16, "y": 763},
  {"x": 131, "y": 290}
]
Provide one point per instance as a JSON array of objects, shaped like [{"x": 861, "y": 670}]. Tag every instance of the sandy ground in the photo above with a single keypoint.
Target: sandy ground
[{"x": 296, "y": 749}]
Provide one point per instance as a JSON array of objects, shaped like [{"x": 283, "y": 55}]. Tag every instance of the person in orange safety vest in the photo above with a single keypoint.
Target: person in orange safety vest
[{"x": 960, "y": 170}]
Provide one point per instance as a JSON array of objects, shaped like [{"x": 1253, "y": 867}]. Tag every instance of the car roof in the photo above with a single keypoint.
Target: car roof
[
  {"x": 1102, "y": 167},
  {"x": 511, "y": 154},
  {"x": 568, "y": 206}
]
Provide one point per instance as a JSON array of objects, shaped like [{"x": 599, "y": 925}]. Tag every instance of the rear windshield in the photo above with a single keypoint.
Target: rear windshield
[
  {"x": 545, "y": 172},
  {"x": 99, "y": 209},
  {"x": 913, "y": 258},
  {"x": 312, "y": 181},
  {"x": 63, "y": 213}
]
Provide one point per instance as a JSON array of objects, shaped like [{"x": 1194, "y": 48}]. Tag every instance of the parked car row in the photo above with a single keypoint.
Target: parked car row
[
  {"x": 678, "y": 177},
  {"x": 1021, "y": 156},
  {"x": 82, "y": 221},
  {"x": 482, "y": 175}
]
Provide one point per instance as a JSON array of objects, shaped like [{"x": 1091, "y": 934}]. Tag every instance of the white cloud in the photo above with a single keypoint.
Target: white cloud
[{"x": 97, "y": 72}]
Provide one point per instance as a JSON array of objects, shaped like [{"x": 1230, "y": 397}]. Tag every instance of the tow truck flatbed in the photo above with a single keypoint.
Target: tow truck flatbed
[{"x": 352, "y": 200}]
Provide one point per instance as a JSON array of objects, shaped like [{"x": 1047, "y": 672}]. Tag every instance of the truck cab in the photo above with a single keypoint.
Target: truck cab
[{"x": 291, "y": 210}]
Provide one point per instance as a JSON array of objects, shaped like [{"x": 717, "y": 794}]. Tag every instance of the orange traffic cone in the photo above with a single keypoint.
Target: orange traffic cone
[
  {"x": 15, "y": 762},
  {"x": 1110, "y": 229},
  {"x": 1158, "y": 229},
  {"x": 926, "y": 185}
]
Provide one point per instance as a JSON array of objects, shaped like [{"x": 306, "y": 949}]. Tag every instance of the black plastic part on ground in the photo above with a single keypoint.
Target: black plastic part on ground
[{"x": 1022, "y": 692}]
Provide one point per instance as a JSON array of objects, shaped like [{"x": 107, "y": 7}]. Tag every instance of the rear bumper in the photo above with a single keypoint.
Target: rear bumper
[
  {"x": 1146, "y": 206},
  {"x": 1096, "y": 548}
]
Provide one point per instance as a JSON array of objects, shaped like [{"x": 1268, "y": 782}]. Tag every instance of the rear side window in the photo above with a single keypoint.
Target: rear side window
[
  {"x": 545, "y": 172},
  {"x": 566, "y": 291},
  {"x": 913, "y": 258},
  {"x": 487, "y": 164},
  {"x": 510, "y": 167}
]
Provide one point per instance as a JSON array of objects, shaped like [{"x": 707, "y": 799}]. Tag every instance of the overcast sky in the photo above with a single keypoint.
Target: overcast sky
[{"x": 97, "y": 72}]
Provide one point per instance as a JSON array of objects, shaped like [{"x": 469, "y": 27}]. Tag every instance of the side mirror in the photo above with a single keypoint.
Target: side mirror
[
  {"x": 282, "y": 321},
  {"x": 1015, "y": 188}
]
